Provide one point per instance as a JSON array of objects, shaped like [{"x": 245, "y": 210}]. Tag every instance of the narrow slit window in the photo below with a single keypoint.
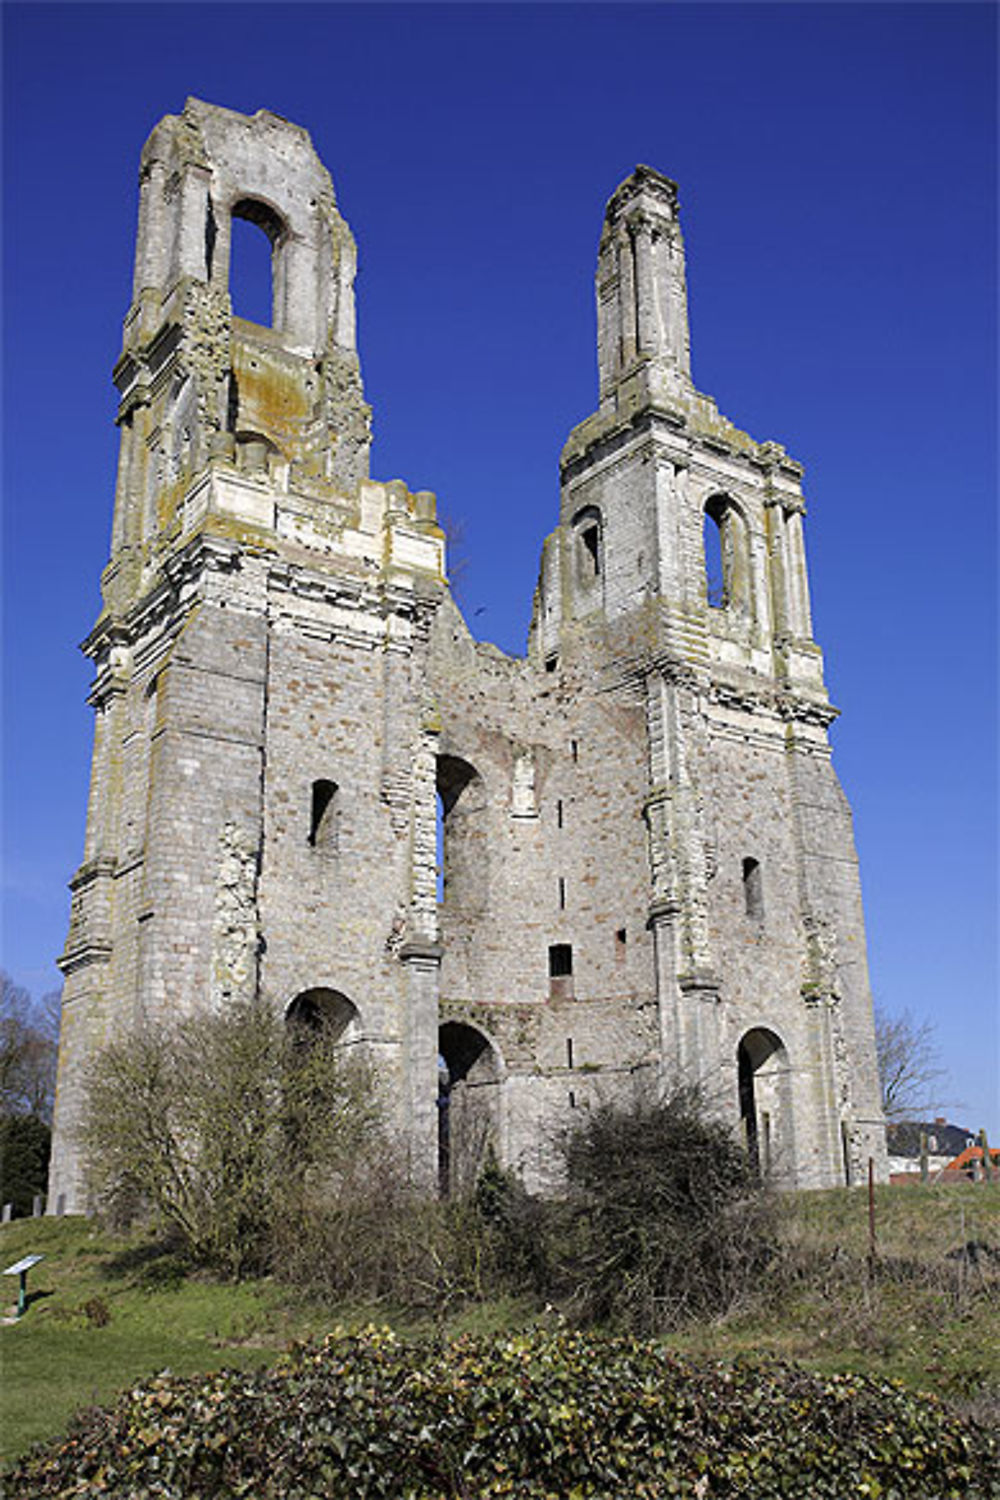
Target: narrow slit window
[
  {"x": 569, "y": 1052},
  {"x": 559, "y": 813},
  {"x": 439, "y": 846},
  {"x": 323, "y": 816},
  {"x": 621, "y": 942},
  {"x": 753, "y": 890},
  {"x": 562, "y": 893},
  {"x": 715, "y": 569},
  {"x": 574, "y": 750},
  {"x": 560, "y": 960}
]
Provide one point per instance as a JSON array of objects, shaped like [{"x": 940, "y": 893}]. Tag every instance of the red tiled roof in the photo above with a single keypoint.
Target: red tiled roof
[{"x": 973, "y": 1154}]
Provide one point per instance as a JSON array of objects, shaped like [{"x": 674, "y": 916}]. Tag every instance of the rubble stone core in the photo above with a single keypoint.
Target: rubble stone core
[{"x": 649, "y": 871}]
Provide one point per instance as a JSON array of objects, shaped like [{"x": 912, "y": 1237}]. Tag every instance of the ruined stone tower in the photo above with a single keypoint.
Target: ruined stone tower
[{"x": 648, "y": 864}]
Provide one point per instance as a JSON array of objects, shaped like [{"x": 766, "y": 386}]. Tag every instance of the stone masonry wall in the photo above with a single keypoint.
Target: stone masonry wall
[{"x": 524, "y": 886}]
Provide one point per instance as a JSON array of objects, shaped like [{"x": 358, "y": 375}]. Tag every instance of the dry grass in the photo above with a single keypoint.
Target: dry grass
[{"x": 926, "y": 1313}]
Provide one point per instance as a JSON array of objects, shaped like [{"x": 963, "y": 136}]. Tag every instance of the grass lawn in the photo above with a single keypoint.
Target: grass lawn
[
  {"x": 106, "y": 1311},
  {"x": 101, "y": 1314}
]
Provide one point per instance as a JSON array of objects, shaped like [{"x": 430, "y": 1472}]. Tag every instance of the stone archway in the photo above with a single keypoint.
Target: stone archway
[
  {"x": 462, "y": 832},
  {"x": 468, "y": 1105},
  {"x": 327, "y": 1011},
  {"x": 766, "y": 1102}
]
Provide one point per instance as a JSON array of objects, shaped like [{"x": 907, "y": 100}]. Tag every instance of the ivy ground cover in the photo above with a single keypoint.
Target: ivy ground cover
[{"x": 538, "y": 1414}]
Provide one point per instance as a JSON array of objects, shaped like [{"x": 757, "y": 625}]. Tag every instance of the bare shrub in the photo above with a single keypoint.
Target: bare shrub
[
  {"x": 664, "y": 1220},
  {"x": 223, "y": 1127},
  {"x": 380, "y": 1240}
]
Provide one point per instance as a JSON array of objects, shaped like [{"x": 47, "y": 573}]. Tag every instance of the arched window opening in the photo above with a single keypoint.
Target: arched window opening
[
  {"x": 588, "y": 530},
  {"x": 765, "y": 1102},
  {"x": 590, "y": 537},
  {"x": 322, "y": 1012},
  {"x": 253, "y": 451},
  {"x": 254, "y": 246},
  {"x": 715, "y": 572},
  {"x": 753, "y": 890},
  {"x": 462, "y": 834},
  {"x": 727, "y": 555},
  {"x": 324, "y": 814},
  {"x": 468, "y": 1105}
]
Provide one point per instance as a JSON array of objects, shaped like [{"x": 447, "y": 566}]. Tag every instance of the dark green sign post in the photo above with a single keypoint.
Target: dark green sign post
[{"x": 20, "y": 1269}]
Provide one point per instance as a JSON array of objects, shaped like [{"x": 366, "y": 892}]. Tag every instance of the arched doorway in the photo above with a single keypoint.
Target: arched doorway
[
  {"x": 324, "y": 1011},
  {"x": 468, "y": 1105},
  {"x": 765, "y": 1102}
]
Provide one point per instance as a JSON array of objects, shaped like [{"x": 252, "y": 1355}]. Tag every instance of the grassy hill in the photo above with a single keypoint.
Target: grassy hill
[{"x": 105, "y": 1311}]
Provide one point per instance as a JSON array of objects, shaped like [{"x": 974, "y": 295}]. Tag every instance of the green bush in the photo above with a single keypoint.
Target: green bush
[
  {"x": 382, "y": 1240},
  {"x": 536, "y": 1415}
]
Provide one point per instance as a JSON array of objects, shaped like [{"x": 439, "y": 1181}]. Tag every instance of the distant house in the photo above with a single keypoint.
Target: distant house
[
  {"x": 945, "y": 1144},
  {"x": 969, "y": 1163}
]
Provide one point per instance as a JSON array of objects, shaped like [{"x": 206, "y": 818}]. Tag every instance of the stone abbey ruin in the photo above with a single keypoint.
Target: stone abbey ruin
[{"x": 649, "y": 866}]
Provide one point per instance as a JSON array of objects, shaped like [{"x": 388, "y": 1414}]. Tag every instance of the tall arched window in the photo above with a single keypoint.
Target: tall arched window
[
  {"x": 715, "y": 567},
  {"x": 588, "y": 548},
  {"x": 256, "y": 233},
  {"x": 324, "y": 817},
  {"x": 727, "y": 555},
  {"x": 462, "y": 835},
  {"x": 753, "y": 890},
  {"x": 765, "y": 1088}
]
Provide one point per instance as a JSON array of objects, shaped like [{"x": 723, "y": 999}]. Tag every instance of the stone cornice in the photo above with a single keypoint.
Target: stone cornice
[
  {"x": 699, "y": 982},
  {"x": 421, "y": 953},
  {"x": 693, "y": 416},
  {"x": 93, "y": 869},
  {"x": 95, "y": 952},
  {"x": 795, "y": 708}
]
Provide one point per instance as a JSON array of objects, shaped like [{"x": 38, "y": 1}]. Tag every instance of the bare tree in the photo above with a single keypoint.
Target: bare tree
[
  {"x": 223, "y": 1126},
  {"x": 29, "y": 1041},
  {"x": 457, "y": 549},
  {"x": 909, "y": 1066}
]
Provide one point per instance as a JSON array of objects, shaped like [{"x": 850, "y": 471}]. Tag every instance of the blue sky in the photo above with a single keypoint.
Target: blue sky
[{"x": 838, "y": 175}]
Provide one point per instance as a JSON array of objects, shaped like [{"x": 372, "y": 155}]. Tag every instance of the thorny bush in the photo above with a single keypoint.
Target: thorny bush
[{"x": 663, "y": 1219}]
